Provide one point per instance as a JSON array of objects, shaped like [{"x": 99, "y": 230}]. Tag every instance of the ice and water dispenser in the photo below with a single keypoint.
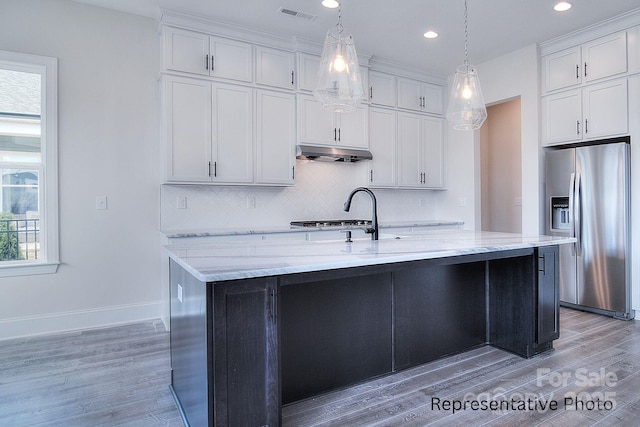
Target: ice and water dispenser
[{"x": 560, "y": 218}]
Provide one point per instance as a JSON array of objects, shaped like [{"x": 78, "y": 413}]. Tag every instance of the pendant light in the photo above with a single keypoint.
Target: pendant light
[
  {"x": 466, "y": 110},
  {"x": 338, "y": 83}
]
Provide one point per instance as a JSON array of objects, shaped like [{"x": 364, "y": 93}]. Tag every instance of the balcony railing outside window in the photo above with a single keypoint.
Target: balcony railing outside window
[{"x": 19, "y": 239}]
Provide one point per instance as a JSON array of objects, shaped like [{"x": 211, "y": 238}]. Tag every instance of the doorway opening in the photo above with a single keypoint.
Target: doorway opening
[{"x": 501, "y": 168}]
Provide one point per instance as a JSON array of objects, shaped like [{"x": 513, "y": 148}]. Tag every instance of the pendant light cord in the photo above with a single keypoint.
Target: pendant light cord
[
  {"x": 339, "y": 26},
  {"x": 466, "y": 37}
]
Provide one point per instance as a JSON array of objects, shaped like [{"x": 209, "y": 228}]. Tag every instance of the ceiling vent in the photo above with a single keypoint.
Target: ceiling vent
[{"x": 297, "y": 14}]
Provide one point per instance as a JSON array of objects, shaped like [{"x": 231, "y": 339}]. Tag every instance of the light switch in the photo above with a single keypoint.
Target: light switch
[
  {"x": 101, "y": 203},
  {"x": 181, "y": 202}
]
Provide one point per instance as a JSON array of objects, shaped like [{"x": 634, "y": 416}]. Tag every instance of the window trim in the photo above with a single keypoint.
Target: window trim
[{"x": 47, "y": 67}]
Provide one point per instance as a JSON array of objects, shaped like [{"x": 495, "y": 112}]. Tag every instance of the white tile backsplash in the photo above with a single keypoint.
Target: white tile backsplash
[{"x": 319, "y": 193}]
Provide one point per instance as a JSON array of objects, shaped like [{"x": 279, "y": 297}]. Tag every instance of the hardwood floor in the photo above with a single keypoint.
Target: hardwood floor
[
  {"x": 115, "y": 376},
  {"x": 119, "y": 376},
  {"x": 595, "y": 358}
]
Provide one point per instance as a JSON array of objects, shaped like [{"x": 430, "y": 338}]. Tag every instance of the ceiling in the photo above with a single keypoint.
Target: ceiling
[{"x": 392, "y": 30}]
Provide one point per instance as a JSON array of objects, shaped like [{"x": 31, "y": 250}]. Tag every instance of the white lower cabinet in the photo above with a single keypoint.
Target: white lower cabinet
[
  {"x": 212, "y": 133},
  {"x": 596, "y": 111},
  {"x": 420, "y": 151}
]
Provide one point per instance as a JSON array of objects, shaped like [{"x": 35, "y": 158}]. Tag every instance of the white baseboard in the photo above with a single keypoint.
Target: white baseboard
[{"x": 82, "y": 319}]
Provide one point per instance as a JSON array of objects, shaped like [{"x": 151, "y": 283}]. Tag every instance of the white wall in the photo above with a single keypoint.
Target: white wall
[
  {"x": 508, "y": 77},
  {"x": 108, "y": 145}
]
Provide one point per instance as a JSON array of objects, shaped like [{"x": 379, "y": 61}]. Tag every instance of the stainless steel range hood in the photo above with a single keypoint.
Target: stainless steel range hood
[{"x": 331, "y": 154}]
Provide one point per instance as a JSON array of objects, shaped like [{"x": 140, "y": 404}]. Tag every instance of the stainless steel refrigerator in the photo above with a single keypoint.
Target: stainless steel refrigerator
[{"x": 588, "y": 197}]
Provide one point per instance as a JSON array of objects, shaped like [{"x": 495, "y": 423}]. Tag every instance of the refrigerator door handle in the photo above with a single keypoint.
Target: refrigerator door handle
[
  {"x": 572, "y": 224},
  {"x": 577, "y": 214}
]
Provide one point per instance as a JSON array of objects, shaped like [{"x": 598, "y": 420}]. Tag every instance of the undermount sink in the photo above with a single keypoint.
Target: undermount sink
[{"x": 363, "y": 238}]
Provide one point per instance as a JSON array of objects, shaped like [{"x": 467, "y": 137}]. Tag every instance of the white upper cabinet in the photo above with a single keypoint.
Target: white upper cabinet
[
  {"x": 633, "y": 42},
  {"x": 187, "y": 121},
  {"x": 232, "y": 134},
  {"x": 605, "y": 57},
  {"x": 321, "y": 127},
  {"x": 596, "y": 111},
  {"x": 597, "y": 59},
  {"x": 275, "y": 137},
  {"x": 562, "y": 69},
  {"x": 383, "y": 145},
  {"x": 419, "y": 96},
  {"x": 382, "y": 89},
  {"x": 420, "y": 151},
  {"x": 275, "y": 68},
  {"x": 197, "y": 53}
]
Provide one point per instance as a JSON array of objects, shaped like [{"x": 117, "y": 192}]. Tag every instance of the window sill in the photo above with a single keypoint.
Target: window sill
[{"x": 28, "y": 269}]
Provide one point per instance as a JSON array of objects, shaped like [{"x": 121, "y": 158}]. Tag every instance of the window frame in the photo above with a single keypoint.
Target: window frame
[{"x": 47, "y": 67}]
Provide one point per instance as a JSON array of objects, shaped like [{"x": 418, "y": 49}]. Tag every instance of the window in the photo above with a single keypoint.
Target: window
[{"x": 28, "y": 164}]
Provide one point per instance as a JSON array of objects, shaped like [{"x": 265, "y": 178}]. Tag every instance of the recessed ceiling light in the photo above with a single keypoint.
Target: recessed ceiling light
[
  {"x": 331, "y": 4},
  {"x": 430, "y": 34},
  {"x": 563, "y": 6}
]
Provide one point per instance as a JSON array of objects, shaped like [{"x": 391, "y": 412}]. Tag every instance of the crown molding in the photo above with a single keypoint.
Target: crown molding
[{"x": 617, "y": 23}]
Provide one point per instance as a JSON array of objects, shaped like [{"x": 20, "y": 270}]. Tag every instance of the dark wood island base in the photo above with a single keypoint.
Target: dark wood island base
[{"x": 240, "y": 349}]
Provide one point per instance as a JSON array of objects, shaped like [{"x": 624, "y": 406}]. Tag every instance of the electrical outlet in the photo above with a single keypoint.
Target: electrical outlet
[
  {"x": 251, "y": 202},
  {"x": 101, "y": 203},
  {"x": 462, "y": 202},
  {"x": 179, "y": 292},
  {"x": 181, "y": 202}
]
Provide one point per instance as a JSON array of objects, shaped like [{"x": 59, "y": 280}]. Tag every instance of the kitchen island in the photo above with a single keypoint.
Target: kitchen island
[{"x": 261, "y": 324}]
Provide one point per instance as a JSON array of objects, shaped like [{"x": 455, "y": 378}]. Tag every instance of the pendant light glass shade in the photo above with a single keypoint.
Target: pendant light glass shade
[
  {"x": 338, "y": 83},
  {"x": 466, "y": 110}
]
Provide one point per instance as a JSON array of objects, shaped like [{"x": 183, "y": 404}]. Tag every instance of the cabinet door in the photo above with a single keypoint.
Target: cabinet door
[
  {"x": 188, "y": 129},
  {"x": 605, "y": 109},
  {"x": 232, "y": 134},
  {"x": 246, "y": 353},
  {"x": 383, "y": 146},
  {"x": 231, "y": 59},
  {"x": 562, "y": 117},
  {"x": 382, "y": 89},
  {"x": 409, "y": 150},
  {"x": 275, "y": 68},
  {"x": 562, "y": 69},
  {"x": 633, "y": 41},
  {"x": 307, "y": 71},
  {"x": 409, "y": 94},
  {"x": 186, "y": 51},
  {"x": 315, "y": 124},
  {"x": 275, "y": 137},
  {"x": 548, "y": 298},
  {"x": 433, "y": 152},
  {"x": 604, "y": 57},
  {"x": 432, "y": 101},
  {"x": 353, "y": 128}
]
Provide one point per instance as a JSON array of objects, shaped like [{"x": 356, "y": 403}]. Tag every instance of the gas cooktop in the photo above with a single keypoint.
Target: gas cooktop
[{"x": 331, "y": 223}]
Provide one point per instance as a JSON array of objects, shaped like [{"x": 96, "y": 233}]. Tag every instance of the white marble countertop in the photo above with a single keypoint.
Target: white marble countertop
[
  {"x": 289, "y": 229},
  {"x": 219, "y": 261}
]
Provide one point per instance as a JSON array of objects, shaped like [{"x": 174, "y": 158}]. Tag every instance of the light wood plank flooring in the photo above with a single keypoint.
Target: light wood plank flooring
[
  {"x": 119, "y": 376},
  {"x": 595, "y": 357},
  {"x": 115, "y": 376}
]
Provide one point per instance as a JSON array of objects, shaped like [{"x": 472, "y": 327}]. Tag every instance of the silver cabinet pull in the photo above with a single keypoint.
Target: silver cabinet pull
[
  {"x": 371, "y": 175},
  {"x": 585, "y": 69},
  {"x": 370, "y": 92},
  {"x": 212, "y": 64},
  {"x": 292, "y": 78},
  {"x": 206, "y": 62},
  {"x": 577, "y": 127},
  {"x": 577, "y": 71},
  {"x": 586, "y": 126}
]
